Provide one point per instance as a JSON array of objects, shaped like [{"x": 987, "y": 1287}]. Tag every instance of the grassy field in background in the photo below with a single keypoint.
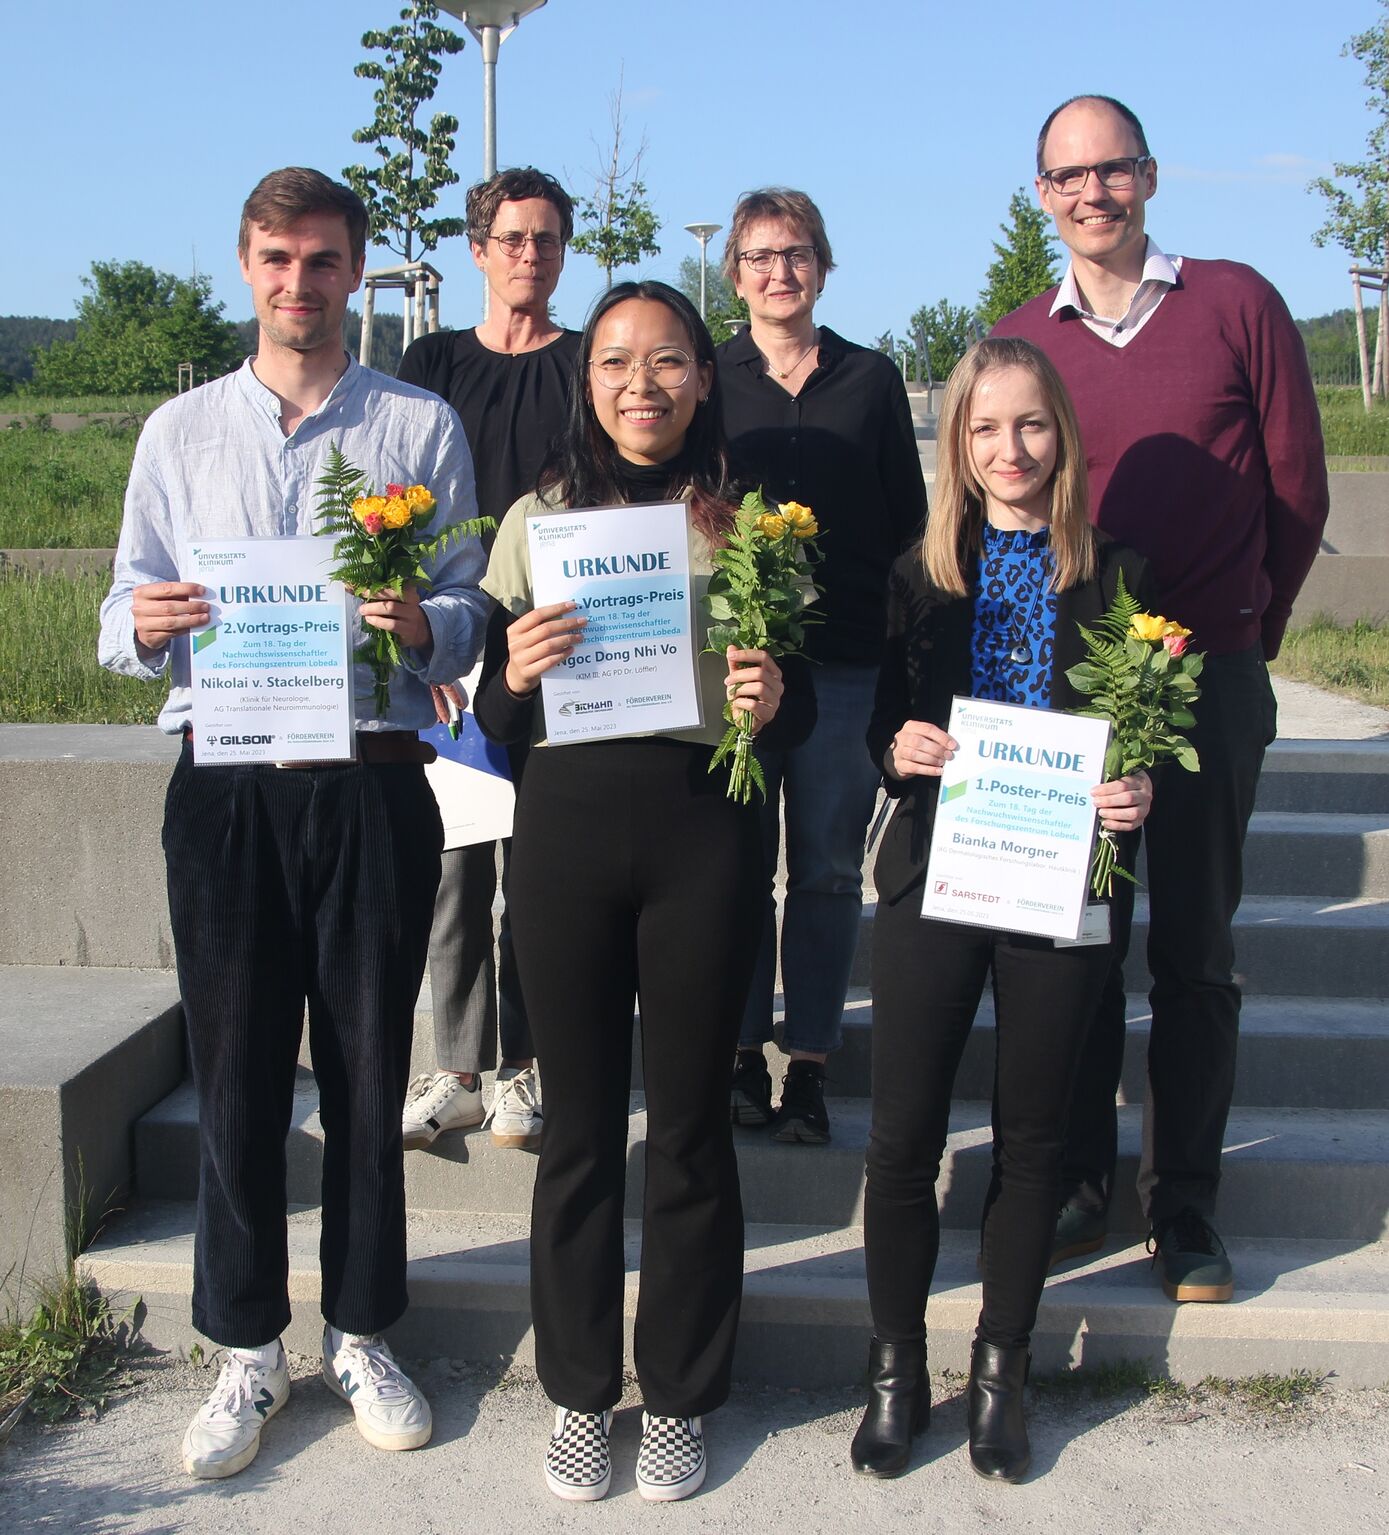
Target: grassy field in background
[
  {"x": 1352, "y": 659},
  {"x": 1346, "y": 425},
  {"x": 80, "y": 405},
  {"x": 48, "y": 668},
  {"x": 63, "y": 490}
]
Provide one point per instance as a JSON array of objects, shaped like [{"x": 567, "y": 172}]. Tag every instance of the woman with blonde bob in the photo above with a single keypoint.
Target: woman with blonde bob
[{"x": 986, "y": 606}]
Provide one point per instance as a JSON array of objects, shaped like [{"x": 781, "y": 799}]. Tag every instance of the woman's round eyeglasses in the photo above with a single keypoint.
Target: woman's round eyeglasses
[
  {"x": 513, "y": 242},
  {"x": 669, "y": 367}
]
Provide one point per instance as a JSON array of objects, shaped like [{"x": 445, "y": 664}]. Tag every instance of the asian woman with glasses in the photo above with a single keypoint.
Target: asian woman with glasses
[{"x": 634, "y": 878}]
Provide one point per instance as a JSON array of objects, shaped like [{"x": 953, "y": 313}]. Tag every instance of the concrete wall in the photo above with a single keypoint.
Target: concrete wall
[{"x": 82, "y": 882}]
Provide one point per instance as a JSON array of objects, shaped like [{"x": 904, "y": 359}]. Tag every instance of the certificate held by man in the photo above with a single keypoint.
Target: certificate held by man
[
  {"x": 272, "y": 669},
  {"x": 628, "y": 570},
  {"x": 1015, "y": 822}
]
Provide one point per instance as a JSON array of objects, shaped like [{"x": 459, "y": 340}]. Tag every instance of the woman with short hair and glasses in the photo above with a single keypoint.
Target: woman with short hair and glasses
[
  {"x": 633, "y": 875},
  {"x": 814, "y": 418}
]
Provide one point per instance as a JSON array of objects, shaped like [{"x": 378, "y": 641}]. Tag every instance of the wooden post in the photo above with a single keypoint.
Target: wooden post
[
  {"x": 1360, "y": 337},
  {"x": 368, "y": 315},
  {"x": 1381, "y": 351}
]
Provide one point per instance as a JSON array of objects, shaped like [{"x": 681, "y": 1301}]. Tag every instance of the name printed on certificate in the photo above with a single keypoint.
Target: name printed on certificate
[
  {"x": 1015, "y": 823},
  {"x": 272, "y": 668},
  {"x": 628, "y": 569}
]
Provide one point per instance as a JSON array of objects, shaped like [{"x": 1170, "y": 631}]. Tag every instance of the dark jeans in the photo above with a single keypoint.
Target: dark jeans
[
  {"x": 927, "y": 981},
  {"x": 1195, "y": 841},
  {"x": 285, "y": 886},
  {"x": 634, "y": 879},
  {"x": 475, "y": 994}
]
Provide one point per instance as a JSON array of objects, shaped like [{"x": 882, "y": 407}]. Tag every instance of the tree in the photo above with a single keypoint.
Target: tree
[
  {"x": 1025, "y": 262},
  {"x": 619, "y": 225},
  {"x": 414, "y": 163},
  {"x": 949, "y": 328},
  {"x": 721, "y": 301},
  {"x": 1360, "y": 225},
  {"x": 134, "y": 327}
]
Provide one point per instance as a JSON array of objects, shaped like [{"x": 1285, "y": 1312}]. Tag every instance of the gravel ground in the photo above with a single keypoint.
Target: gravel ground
[{"x": 778, "y": 1459}]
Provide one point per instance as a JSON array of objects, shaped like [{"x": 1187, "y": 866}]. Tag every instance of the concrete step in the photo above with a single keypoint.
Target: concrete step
[
  {"x": 1313, "y": 1305},
  {"x": 1287, "y": 1172},
  {"x": 1311, "y": 852},
  {"x": 83, "y": 1053},
  {"x": 1326, "y": 777},
  {"x": 1295, "y": 1052},
  {"x": 1305, "y": 946}
]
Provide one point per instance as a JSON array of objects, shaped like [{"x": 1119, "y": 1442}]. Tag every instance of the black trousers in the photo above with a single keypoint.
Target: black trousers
[
  {"x": 290, "y": 885},
  {"x": 1195, "y": 841},
  {"x": 633, "y": 878},
  {"x": 928, "y": 978}
]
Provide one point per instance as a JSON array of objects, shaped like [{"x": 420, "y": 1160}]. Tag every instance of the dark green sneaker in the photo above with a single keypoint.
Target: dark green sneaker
[
  {"x": 1192, "y": 1257},
  {"x": 1080, "y": 1229}
]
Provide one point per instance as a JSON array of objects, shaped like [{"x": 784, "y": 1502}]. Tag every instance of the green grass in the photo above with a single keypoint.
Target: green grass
[
  {"x": 48, "y": 668},
  {"x": 1351, "y": 659},
  {"x": 63, "y": 490},
  {"x": 1264, "y": 1393},
  {"x": 1346, "y": 425},
  {"x": 22, "y": 404},
  {"x": 63, "y": 1356}
]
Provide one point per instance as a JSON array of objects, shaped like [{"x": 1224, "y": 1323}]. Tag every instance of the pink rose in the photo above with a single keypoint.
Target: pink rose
[
  {"x": 374, "y": 523},
  {"x": 395, "y": 490},
  {"x": 1175, "y": 644}
]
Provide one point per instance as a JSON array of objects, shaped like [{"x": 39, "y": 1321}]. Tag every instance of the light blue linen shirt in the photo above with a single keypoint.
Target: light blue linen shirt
[{"x": 214, "y": 463}]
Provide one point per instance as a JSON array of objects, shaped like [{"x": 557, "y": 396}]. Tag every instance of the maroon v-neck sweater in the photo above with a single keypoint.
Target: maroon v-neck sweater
[{"x": 1204, "y": 446}]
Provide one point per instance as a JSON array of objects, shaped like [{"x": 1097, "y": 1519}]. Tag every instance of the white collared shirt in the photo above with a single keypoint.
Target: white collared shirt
[{"x": 1159, "y": 277}]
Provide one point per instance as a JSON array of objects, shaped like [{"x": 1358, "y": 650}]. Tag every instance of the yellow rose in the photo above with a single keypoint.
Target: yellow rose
[
  {"x": 1173, "y": 627},
  {"x": 1146, "y": 627},
  {"x": 770, "y": 525},
  {"x": 420, "y": 501},
  {"x": 807, "y": 529},
  {"x": 797, "y": 515},
  {"x": 396, "y": 512}
]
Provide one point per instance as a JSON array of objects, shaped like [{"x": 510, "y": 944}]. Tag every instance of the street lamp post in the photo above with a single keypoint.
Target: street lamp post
[
  {"x": 703, "y": 233},
  {"x": 491, "y": 22}
]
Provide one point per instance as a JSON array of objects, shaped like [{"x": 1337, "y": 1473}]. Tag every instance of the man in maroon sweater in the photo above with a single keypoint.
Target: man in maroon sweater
[{"x": 1204, "y": 449}]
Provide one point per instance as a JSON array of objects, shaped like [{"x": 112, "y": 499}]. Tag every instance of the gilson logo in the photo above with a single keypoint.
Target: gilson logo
[
  {"x": 574, "y": 706},
  {"x": 245, "y": 740}
]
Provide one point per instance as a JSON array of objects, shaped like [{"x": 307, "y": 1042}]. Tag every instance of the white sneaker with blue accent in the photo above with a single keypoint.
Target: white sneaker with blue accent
[
  {"x": 670, "y": 1462},
  {"x": 224, "y": 1436},
  {"x": 390, "y": 1409}
]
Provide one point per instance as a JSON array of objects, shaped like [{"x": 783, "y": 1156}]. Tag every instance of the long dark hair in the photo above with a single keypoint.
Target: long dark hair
[{"x": 583, "y": 467}]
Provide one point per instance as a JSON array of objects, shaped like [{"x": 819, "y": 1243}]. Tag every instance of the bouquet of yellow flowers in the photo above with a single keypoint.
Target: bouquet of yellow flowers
[
  {"x": 381, "y": 544},
  {"x": 756, "y": 601},
  {"x": 1140, "y": 675}
]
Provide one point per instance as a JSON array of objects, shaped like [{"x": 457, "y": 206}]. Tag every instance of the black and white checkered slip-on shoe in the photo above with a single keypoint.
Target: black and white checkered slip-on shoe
[
  {"x": 670, "y": 1462},
  {"x": 577, "y": 1466}
]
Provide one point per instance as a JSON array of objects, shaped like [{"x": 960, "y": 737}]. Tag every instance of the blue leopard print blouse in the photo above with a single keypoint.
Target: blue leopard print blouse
[{"x": 1014, "y": 608}]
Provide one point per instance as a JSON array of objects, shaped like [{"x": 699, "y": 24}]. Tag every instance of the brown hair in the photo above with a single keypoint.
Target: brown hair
[
  {"x": 783, "y": 203},
  {"x": 284, "y": 196},
  {"x": 955, "y": 529},
  {"x": 514, "y": 186}
]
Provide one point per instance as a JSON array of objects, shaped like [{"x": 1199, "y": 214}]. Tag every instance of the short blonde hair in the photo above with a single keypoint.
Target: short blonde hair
[
  {"x": 955, "y": 529},
  {"x": 783, "y": 203}
]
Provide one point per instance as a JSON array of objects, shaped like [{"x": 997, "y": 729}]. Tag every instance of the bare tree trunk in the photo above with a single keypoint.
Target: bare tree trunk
[
  {"x": 1381, "y": 357},
  {"x": 1360, "y": 337}
]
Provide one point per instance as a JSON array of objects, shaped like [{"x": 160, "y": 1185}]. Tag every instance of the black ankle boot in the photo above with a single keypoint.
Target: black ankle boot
[
  {"x": 998, "y": 1446},
  {"x": 899, "y": 1408}
]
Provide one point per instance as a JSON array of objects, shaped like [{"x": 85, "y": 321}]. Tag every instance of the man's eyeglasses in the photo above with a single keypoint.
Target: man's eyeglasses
[
  {"x": 1114, "y": 175},
  {"x": 513, "y": 242},
  {"x": 669, "y": 367},
  {"x": 797, "y": 257}
]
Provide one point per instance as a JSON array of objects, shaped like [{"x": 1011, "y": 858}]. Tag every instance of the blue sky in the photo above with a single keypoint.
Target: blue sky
[{"x": 136, "y": 131}]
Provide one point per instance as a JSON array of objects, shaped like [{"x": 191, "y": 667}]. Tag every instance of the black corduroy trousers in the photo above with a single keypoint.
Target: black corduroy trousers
[
  {"x": 634, "y": 878},
  {"x": 287, "y": 886}
]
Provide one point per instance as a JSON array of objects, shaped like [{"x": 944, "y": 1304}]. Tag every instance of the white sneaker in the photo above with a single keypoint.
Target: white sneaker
[
  {"x": 577, "y": 1466},
  {"x": 670, "y": 1461},
  {"x": 516, "y": 1116},
  {"x": 224, "y": 1435},
  {"x": 390, "y": 1409},
  {"x": 439, "y": 1101}
]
